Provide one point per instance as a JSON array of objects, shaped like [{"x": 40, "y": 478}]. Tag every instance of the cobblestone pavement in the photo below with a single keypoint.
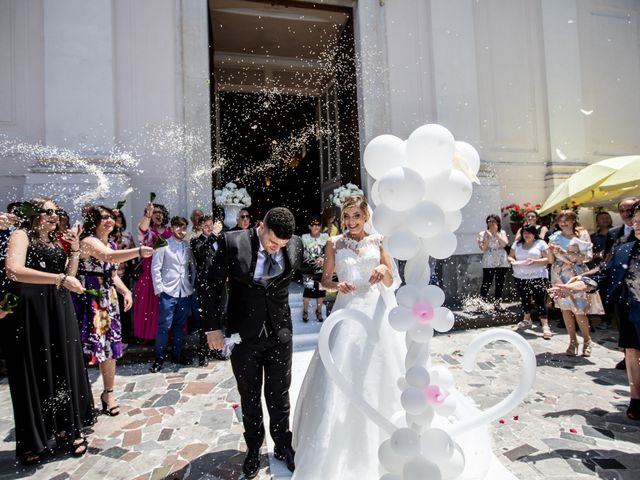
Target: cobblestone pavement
[{"x": 180, "y": 424}]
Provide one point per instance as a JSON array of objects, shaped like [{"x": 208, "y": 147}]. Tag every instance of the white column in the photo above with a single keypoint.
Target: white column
[{"x": 78, "y": 72}]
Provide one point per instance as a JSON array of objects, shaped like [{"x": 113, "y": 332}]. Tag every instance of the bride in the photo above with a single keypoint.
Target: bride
[{"x": 333, "y": 438}]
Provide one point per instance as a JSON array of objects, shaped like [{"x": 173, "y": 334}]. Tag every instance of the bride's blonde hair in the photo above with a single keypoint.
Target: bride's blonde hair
[{"x": 358, "y": 201}]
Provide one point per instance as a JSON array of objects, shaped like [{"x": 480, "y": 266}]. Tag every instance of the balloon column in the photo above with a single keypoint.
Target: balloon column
[{"x": 421, "y": 186}]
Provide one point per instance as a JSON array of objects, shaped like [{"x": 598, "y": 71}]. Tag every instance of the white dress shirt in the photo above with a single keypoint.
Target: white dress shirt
[
  {"x": 173, "y": 269},
  {"x": 262, "y": 257}
]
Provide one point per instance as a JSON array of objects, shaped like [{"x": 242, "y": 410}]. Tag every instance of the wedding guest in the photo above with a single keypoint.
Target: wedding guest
[
  {"x": 529, "y": 258},
  {"x": 204, "y": 250},
  {"x": 619, "y": 280},
  {"x": 173, "y": 273},
  {"x": 329, "y": 223},
  {"x": 145, "y": 312},
  {"x": 492, "y": 241},
  {"x": 49, "y": 386},
  {"x": 616, "y": 236},
  {"x": 599, "y": 237},
  {"x": 570, "y": 249},
  {"x": 99, "y": 314},
  {"x": 532, "y": 218},
  {"x": 196, "y": 224},
  {"x": 124, "y": 241},
  {"x": 313, "y": 243},
  {"x": 243, "y": 220}
]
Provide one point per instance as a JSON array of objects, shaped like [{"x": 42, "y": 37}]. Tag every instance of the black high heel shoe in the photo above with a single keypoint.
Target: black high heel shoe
[
  {"x": 29, "y": 458},
  {"x": 633, "y": 412},
  {"x": 105, "y": 409},
  {"x": 79, "y": 449}
]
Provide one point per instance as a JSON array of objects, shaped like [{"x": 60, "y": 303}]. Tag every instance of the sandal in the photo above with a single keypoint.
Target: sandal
[
  {"x": 29, "y": 458},
  {"x": 546, "y": 332},
  {"x": 319, "y": 315},
  {"x": 305, "y": 316},
  {"x": 105, "y": 406},
  {"x": 572, "y": 351},
  {"x": 79, "y": 448},
  {"x": 633, "y": 412}
]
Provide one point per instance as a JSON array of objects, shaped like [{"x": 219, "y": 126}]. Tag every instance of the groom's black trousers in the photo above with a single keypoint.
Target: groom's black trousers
[{"x": 250, "y": 362}]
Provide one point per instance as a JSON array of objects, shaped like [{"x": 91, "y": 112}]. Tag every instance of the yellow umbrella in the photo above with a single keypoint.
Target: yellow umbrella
[
  {"x": 628, "y": 177},
  {"x": 583, "y": 186}
]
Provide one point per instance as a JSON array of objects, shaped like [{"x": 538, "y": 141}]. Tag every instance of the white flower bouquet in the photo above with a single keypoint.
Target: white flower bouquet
[
  {"x": 232, "y": 195},
  {"x": 340, "y": 194}
]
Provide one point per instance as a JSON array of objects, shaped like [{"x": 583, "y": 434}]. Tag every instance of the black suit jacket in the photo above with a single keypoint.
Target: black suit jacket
[
  {"x": 614, "y": 239},
  {"x": 251, "y": 305},
  {"x": 204, "y": 253}
]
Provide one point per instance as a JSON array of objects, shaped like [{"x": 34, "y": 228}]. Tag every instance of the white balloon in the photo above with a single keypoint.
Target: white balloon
[
  {"x": 443, "y": 319},
  {"x": 401, "y": 318},
  {"x": 387, "y": 221},
  {"x": 423, "y": 420},
  {"x": 402, "y": 245},
  {"x": 413, "y": 400},
  {"x": 417, "y": 271},
  {"x": 454, "y": 467},
  {"x": 391, "y": 461},
  {"x": 430, "y": 149},
  {"x": 419, "y": 468},
  {"x": 402, "y": 383},
  {"x": 401, "y": 188},
  {"x": 417, "y": 377},
  {"x": 453, "y": 220},
  {"x": 427, "y": 219},
  {"x": 441, "y": 376},
  {"x": 470, "y": 154},
  {"x": 405, "y": 442},
  {"x": 441, "y": 246},
  {"x": 451, "y": 190},
  {"x": 420, "y": 333},
  {"x": 437, "y": 445},
  {"x": 390, "y": 476},
  {"x": 407, "y": 295},
  {"x": 433, "y": 295},
  {"x": 374, "y": 195},
  {"x": 382, "y": 154}
]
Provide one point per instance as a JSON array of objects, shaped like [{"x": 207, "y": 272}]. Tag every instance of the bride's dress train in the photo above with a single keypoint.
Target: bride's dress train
[{"x": 332, "y": 437}]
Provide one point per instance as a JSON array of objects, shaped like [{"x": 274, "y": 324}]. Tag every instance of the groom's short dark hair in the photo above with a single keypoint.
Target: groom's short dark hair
[{"x": 281, "y": 222}]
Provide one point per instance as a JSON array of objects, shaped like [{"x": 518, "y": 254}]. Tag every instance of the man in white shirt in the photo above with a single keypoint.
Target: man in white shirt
[{"x": 173, "y": 271}]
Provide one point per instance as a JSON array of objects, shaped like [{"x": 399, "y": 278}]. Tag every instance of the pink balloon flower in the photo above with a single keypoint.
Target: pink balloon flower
[
  {"x": 433, "y": 395},
  {"x": 422, "y": 313}
]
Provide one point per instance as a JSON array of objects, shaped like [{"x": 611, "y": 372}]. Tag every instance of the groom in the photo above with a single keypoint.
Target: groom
[{"x": 259, "y": 263}]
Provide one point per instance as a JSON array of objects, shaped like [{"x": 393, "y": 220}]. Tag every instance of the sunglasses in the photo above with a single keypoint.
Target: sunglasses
[
  {"x": 245, "y": 216},
  {"x": 107, "y": 217},
  {"x": 53, "y": 211}
]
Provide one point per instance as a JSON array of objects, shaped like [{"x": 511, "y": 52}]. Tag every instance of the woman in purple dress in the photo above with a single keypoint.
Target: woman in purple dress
[
  {"x": 97, "y": 309},
  {"x": 147, "y": 307}
]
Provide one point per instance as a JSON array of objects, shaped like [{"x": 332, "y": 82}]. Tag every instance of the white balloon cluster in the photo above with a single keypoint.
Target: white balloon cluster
[{"x": 420, "y": 187}]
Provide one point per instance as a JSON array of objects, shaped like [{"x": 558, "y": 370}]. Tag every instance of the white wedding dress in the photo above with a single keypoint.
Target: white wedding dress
[{"x": 333, "y": 439}]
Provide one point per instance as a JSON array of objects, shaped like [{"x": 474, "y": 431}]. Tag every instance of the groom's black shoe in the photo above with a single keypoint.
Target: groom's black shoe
[
  {"x": 251, "y": 464},
  {"x": 286, "y": 454}
]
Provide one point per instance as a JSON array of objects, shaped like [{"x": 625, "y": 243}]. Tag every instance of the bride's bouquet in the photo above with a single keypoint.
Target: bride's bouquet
[
  {"x": 232, "y": 195},
  {"x": 341, "y": 193}
]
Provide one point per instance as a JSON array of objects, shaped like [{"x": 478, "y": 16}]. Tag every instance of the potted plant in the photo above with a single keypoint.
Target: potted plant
[{"x": 232, "y": 199}]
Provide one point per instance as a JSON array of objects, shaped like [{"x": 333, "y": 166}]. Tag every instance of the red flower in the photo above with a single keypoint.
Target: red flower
[
  {"x": 501, "y": 421},
  {"x": 573, "y": 430},
  {"x": 516, "y": 418}
]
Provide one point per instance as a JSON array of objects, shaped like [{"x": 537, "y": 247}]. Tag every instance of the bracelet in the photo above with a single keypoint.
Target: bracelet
[
  {"x": 140, "y": 251},
  {"x": 60, "y": 284},
  {"x": 58, "y": 280},
  {"x": 147, "y": 216},
  {"x": 75, "y": 251}
]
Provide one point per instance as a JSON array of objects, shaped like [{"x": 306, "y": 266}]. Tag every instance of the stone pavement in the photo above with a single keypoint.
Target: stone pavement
[{"x": 180, "y": 424}]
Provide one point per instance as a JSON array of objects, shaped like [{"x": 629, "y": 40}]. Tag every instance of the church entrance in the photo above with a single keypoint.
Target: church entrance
[{"x": 284, "y": 105}]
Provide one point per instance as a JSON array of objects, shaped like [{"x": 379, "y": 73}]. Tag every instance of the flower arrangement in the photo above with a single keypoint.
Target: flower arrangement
[
  {"x": 517, "y": 213},
  {"x": 341, "y": 193},
  {"x": 232, "y": 195}
]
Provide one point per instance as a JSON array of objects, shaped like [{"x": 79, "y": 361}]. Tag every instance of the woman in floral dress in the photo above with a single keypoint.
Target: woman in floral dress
[
  {"x": 571, "y": 248},
  {"x": 97, "y": 309},
  {"x": 313, "y": 243},
  {"x": 147, "y": 307}
]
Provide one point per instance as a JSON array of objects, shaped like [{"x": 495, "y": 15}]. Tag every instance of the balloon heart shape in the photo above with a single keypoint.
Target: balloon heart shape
[{"x": 527, "y": 373}]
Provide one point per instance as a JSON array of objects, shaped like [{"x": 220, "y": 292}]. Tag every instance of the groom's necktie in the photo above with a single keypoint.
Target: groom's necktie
[{"x": 270, "y": 270}]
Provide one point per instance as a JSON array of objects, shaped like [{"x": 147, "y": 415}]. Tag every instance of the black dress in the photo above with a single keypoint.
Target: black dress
[{"x": 48, "y": 381}]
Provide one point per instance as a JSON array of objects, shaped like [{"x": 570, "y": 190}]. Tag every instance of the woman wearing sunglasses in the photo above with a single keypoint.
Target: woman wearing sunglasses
[{"x": 49, "y": 386}]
